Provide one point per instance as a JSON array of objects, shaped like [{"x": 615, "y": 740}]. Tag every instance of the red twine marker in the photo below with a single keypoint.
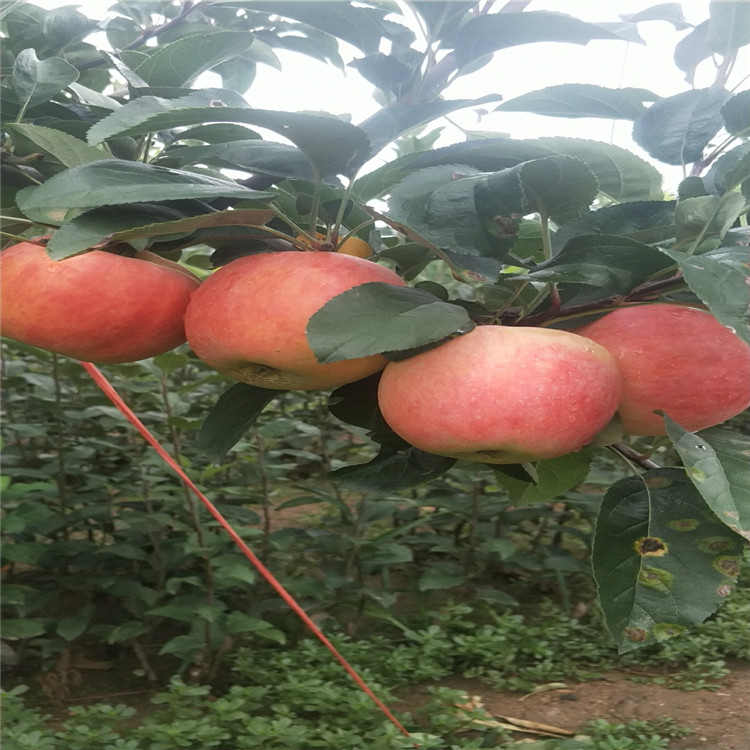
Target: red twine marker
[{"x": 98, "y": 377}]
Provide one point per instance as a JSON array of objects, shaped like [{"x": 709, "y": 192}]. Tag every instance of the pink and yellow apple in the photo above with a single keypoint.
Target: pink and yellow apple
[
  {"x": 502, "y": 395},
  {"x": 96, "y": 306},
  {"x": 248, "y": 319},
  {"x": 678, "y": 359}
]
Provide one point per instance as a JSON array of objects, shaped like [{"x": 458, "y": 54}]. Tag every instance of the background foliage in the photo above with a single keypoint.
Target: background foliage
[{"x": 121, "y": 141}]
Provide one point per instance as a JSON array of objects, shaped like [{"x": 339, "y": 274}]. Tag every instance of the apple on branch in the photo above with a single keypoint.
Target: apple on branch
[
  {"x": 677, "y": 359},
  {"x": 502, "y": 394},
  {"x": 97, "y": 306},
  {"x": 248, "y": 319}
]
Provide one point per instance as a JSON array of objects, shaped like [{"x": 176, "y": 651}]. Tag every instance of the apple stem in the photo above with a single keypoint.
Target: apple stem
[
  {"x": 281, "y": 215},
  {"x": 354, "y": 231},
  {"x": 317, "y": 191},
  {"x": 555, "y": 300},
  {"x": 342, "y": 208},
  {"x": 17, "y": 237}
]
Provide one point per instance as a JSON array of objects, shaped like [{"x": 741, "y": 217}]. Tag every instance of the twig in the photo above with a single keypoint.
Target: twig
[
  {"x": 633, "y": 456},
  {"x": 187, "y": 7}
]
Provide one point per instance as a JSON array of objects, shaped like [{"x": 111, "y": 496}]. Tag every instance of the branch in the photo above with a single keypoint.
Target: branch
[
  {"x": 642, "y": 293},
  {"x": 187, "y": 8},
  {"x": 633, "y": 456}
]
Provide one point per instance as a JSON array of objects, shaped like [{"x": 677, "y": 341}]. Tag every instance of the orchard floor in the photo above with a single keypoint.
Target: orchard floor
[{"x": 719, "y": 719}]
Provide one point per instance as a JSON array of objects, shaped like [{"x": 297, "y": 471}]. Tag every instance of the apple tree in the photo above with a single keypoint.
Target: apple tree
[{"x": 133, "y": 133}]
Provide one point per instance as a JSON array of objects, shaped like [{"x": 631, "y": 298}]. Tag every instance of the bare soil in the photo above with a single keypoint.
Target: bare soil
[{"x": 719, "y": 719}]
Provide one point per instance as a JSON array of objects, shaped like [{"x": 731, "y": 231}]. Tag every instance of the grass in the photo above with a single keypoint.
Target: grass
[{"x": 297, "y": 698}]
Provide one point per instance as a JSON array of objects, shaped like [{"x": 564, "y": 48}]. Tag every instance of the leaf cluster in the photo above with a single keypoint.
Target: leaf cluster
[{"x": 123, "y": 143}]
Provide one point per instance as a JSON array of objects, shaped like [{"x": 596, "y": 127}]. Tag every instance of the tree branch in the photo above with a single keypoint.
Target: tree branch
[{"x": 633, "y": 456}]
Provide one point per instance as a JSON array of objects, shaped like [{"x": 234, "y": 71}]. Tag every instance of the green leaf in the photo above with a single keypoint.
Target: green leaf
[
  {"x": 232, "y": 416},
  {"x": 57, "y": 146},
  {"x": 622, "y": 176},
  {"x": 442, "y": 14},
  {"x": 692, "y": 50},
  {"x": 489, "y": 155},
  {"x": 377, "y": 555},
  {"x": 315, "y": 44},
  {"x": 736, "y": 114},
  {"x": 717, "y": 461},
  {"x": 330, "y": 144},
  {"x": 174, "y": 612},
  {"x": 135, "y": 223},
  {"x": 215, "y": 133},
  {"x": 178, "y": 63},
  {"x": 557, "y": 185},
  {"x": 113, "y": 182},
  {"x": 239, "y": 622},
  {"x": 36, "y": 81},
  {"x": 184, "y": 644},
  {"x": 578, "y": 100},
  {"x": 730, "y": 170},
  {"x": 483, "y": 35},
  {"x": 123, "y": 550},
  {"x": 93, "y": 227},
  {"x": 644, "y": 221},
  {"x": 669, "y": 12},
  {"x": 553, "y": 477},
  {"x": 18, "y": 628},
  {"x": 359, "y": 26},
  {"x": 385, "y": 72},
  {"x": 249, "y": 217},
  {"x": 264, "y": 157},
  {"x": 676, "y": 129},
  {"x": 707, "y": 216},
  {"x": 75, "y": 625},
  {"x": 29, "y": 553},
  {"x": 376, "y": 317},
  {"x": 128, "y": 631},
  {"x": 94, "y": 99},
  {"x": 438, "y": 203},
  {"x": 728, "y": 25},
  {"x": 551, "y": 186},
  {"x": 594, "y": 267},
  {"x": 661, "y": 563},
  {"x": 394, "y": 469},
  {"x": 357, "y": 404},
  {"x": 388, "y": 123},
  {"x": 230, "y": 567},
  {"x": 66, "y": 25},
  {"x": 151, "y": 113},
  {"x": 435, "y": 579},
  {"x": 720, "y": 278}
]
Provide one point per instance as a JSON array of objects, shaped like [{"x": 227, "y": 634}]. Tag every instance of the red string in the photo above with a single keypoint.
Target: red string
[{"x": 107, "y": 388}]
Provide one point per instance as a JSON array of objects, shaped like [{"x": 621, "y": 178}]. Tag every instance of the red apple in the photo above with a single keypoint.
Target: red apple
[
  {"x": 248, "y": 319},
  {"x": 502, "y": 395},
  {"x": 678, "y": 359},
  {"x": 97, "y": 306}
]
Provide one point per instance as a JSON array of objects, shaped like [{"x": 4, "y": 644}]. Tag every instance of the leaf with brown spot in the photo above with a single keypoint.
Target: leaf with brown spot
[
  {"x": 718, "y": 463},
  {"x": 656, "y": 580}
]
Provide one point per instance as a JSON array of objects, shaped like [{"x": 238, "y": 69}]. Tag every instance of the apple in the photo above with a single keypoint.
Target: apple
[
  {"x": 502, "y": 394},
  {"x": 350, "y": 246},
  {"x": 96, "y": 306},
  {"x": 248, "y": 319},
  {"x": 678, "y": 359}
]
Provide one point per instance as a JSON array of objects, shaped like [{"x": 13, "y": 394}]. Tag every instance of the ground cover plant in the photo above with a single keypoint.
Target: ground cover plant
[
  {"x": 479, "y": 370},
  {"x": 296, "y": 697}
]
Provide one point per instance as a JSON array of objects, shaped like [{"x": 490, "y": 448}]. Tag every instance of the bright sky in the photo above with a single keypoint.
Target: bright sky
[{"x": 305, "y": 84}]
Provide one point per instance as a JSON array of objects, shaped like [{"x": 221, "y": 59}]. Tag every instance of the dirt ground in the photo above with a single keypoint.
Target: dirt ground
[{"x": 719, "y": 720}]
